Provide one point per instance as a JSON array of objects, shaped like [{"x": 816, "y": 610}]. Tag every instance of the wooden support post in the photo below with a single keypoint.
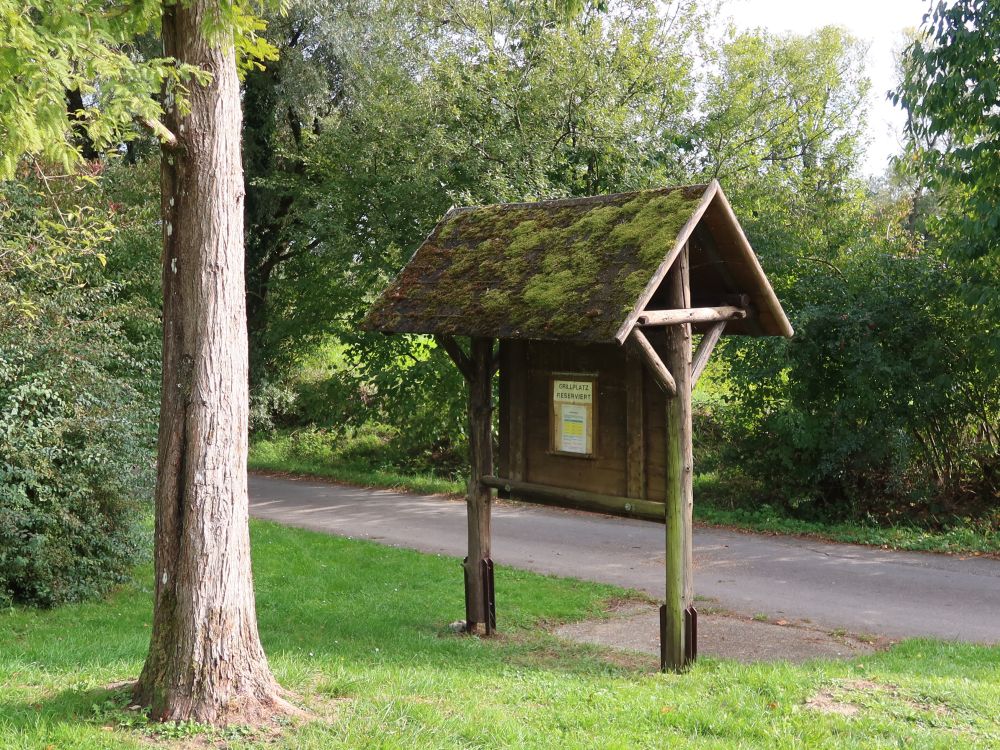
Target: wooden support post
[
  {"x": 635, "y": 448},
  {"x": 482, "y": 365},
  {"x": 517, "y": 380},
  {"x": 502, "y": 463},
  {"x": 679, "y": 475}
]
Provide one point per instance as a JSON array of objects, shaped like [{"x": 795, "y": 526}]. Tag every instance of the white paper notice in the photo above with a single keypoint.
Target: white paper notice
[{"x": 573, "y": 428}]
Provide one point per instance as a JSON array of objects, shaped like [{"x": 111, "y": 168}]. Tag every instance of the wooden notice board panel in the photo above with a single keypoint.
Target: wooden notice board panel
[{"x": 573, "y": 414}]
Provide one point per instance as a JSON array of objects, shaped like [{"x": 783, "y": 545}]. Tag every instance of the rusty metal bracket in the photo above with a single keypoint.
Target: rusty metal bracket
[
  {"x": 489, "y": 596},
  {"x": 663, "y": 637},
  {"x": 690, "y": 635},
  {"x": 470, "y": 624}
]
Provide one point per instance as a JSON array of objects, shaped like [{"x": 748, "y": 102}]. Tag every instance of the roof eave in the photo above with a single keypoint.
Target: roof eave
[{"x": 767, "y": 291}]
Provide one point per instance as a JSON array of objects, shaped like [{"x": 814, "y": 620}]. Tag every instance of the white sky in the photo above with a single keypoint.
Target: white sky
[{"x": 878, "y": 22}]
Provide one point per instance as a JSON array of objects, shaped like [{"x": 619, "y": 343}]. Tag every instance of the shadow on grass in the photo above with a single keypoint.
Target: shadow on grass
[{"x": 86, "y": 706}]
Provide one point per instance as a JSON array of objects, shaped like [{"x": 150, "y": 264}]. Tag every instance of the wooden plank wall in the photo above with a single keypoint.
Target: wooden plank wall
[{"x": 525, "y": 369}]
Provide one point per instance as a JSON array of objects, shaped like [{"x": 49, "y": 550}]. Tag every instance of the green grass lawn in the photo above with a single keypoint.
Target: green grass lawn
[{"x": 359, "y": 632}]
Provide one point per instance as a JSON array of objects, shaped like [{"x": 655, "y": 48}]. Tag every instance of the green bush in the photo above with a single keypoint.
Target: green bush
[
  {"x": 387, "y": 403},
  {"x": 881, "y": 407},
  {"x": 76, "y": 424}
]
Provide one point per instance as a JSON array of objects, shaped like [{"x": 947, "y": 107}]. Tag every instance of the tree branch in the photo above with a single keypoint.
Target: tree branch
[{"x": 161, "y": 131}]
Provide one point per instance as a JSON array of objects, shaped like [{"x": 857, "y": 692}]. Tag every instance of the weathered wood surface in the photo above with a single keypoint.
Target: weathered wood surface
[
  {"x": 462, "y": 360},
  {"x": 605, "y": 471},
  {"x": 517, "y": 385},
  {"x": 504, "y": 406},
  {"x": 679, "y": 473},
  {"x": 747, "y": 275},
  {"x": 691, "y": 315},
  {"x": 704, "y": 351},
  {"x": 635, "y": 419},
  {"x": 482, "y": 365},
  {"x": 660, "y": 370},
  {"x": 680, "y": 246},
  {"x": 560, "y": 497}
]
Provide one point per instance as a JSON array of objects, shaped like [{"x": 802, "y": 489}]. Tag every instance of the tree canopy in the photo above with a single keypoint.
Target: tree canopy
[{"x": 951, "y": 93}]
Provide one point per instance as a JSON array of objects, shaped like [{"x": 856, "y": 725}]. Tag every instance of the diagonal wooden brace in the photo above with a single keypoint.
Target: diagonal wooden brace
[
  {"x": 656, "y": 366},
  {"x": 704, "y": 351}
]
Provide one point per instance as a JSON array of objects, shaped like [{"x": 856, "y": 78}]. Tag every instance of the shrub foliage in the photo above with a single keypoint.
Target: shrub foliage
[
  {"x": 74, "y": 456},
  {"x": 78, "y": 383}
]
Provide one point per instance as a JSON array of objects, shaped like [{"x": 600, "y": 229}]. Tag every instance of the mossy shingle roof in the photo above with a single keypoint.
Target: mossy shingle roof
[{"x": 575, "y": 269}]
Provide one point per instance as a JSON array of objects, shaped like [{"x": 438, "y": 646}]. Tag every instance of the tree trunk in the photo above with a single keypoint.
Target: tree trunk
[{"x": 205, "y": 659}]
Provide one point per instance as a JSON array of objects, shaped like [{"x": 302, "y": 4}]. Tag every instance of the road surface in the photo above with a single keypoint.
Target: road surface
[{"x": 831, "y": 586}]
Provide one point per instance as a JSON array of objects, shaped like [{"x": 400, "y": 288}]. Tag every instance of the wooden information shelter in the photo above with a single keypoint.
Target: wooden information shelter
[{"x": 588, "y": 308}]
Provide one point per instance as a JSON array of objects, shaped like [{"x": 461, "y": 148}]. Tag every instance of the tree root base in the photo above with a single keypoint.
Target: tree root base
[{"x": 263, "y": 711}]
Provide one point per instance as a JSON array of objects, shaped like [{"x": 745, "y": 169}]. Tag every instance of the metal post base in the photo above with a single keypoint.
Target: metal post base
[
  {"x": 489, "y": 598},
  {"x": 690, "y": 637}
]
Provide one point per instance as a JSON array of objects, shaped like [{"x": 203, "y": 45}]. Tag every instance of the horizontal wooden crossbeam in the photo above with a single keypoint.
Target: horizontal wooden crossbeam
[
  {"x": 691, "y": 315},
  {"x": 543, "y": 494},
  {"x": 656, "y": 366}
]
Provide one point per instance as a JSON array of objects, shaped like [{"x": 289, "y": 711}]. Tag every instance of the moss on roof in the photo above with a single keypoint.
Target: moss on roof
[{"x": 567, "y": 269}]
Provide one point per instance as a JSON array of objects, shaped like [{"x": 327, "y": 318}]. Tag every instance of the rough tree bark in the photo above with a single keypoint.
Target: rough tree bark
[{"x": 205, "y": 659}]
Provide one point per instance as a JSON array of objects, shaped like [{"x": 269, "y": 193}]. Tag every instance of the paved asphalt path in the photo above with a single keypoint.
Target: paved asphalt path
[{"x": 860, "y": 589}]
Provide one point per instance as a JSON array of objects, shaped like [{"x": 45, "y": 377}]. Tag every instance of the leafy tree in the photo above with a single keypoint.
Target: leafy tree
[
  {"x": 783, "y": 105},
  {"x": 205, "y": 660},
  {"x": 52, "y": 47},
  {"x": 951, "y": 94},
  {"x": 77, "y": 360},
  {"x": 456, "y": 102},
  {"x": 881, "y": 406},
  {"x": 47, "y": 235}
]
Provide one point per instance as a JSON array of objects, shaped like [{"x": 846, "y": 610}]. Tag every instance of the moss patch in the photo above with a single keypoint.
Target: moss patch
[{"x": 570, "y": 269}]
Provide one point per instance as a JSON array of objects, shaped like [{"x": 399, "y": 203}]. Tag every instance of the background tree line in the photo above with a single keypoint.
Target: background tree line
[{"x": 376, "y": 116}]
